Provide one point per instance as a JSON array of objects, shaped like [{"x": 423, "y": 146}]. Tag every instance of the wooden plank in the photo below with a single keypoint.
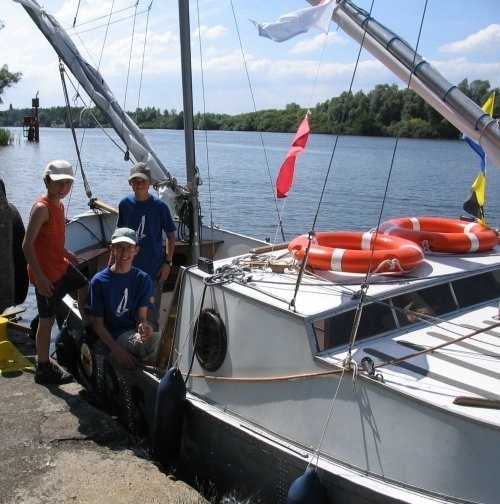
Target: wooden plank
[
  {"x": 12, "y": 311},
  {"x": 19, "y": 327},
  {"x": 477, "y": 402}
]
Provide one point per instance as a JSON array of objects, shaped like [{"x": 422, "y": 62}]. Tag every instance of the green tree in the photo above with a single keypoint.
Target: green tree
[{"x": 7, "y": 78}]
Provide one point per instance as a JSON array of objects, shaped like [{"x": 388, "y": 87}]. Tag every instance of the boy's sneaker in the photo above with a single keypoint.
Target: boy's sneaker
[{"x": 47, "y": 373}]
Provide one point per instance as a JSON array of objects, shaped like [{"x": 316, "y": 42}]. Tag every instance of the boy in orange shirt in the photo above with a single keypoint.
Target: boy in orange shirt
[{"x": 51, "y": 268}]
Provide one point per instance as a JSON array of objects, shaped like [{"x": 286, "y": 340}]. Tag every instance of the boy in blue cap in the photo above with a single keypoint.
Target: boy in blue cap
[{"x": 118, "y": 300}]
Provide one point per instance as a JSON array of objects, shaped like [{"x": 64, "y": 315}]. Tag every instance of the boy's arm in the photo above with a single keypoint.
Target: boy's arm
[
  {"x": 124, "y": 358},
  {"x": 38, "y": 217},
  {"x": 143, "y": 327},
  {"x": 169, "y": 252}
]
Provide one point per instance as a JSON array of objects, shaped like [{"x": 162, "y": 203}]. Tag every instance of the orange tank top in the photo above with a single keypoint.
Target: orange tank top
[{"x": 49, "y": 243}]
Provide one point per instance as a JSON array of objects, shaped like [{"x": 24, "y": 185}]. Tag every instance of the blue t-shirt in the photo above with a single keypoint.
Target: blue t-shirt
[
  {"x": 149, "y": 219},
  {"x": 116, "y": 297}
]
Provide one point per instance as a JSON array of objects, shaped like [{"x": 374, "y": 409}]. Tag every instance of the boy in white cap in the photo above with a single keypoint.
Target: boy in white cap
[
  {"x": 51, "y": 267},
  {"x": 118, "y": 300},
  {"x": 151, "y": 218}
]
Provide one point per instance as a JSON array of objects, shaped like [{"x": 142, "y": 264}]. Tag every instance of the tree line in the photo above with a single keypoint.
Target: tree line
[{"x": 383, "y": 111}]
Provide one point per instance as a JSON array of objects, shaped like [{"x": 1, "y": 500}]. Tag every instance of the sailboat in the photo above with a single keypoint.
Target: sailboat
[{"x": 364, "y": 365}]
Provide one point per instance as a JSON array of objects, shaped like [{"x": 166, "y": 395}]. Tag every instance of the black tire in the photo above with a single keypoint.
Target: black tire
[{"x": 21, "y": 280}]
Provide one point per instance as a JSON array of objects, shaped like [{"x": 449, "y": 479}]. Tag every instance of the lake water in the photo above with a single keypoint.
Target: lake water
[{"x": 429, "y": 177}]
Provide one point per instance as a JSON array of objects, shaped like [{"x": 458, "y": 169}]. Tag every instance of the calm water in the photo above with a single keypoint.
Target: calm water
[{"x": 429, "y": 177}]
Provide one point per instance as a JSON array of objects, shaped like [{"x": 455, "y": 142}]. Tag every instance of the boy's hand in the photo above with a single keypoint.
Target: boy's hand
[
  {"x": 44, "y": 287},
  {"x": 125, "y": 359},
  {"x": 163, "y": 272},
  {"x": 71, "y": 258},
  {"x": 145, "y": 331}
]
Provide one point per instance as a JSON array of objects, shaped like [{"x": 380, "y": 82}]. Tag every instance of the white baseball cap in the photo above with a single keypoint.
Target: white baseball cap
[{"x": 59, "y": 170}]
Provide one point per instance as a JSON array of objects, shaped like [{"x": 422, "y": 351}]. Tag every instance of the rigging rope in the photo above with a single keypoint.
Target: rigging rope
[
  {"x": 76, "y": 13},
  {"x": 366, "y": 283},
  {"x": 143, "y": 55},
  {"x": 130, "y": 57},
  {"x": 88, "y": 192},
  {"x": 330, "y": 164},
  {"x": 280, "y": 222}
]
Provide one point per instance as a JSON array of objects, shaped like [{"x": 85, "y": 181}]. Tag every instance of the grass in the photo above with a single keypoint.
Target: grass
[{"x": 5, "y": 137}]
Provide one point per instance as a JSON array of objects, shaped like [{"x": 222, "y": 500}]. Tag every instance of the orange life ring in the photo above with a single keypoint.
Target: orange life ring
[
  {"x": 352, "y": 252},
  {"x": 442, "y": 235}
]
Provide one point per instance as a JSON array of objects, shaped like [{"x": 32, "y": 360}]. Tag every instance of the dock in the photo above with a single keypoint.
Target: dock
[{"x": 57, "y": 447}]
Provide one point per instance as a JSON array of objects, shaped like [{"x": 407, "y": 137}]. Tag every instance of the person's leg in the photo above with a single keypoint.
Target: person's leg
[
  {"x": 82, "y": 300},
  {"x": 43, "y": 334},
  {"x": 73, "y": 280},
  {"x": 151, "y": 349},
  {"x": 144, "y": 350},
  {"x": 47, "y": 372}
]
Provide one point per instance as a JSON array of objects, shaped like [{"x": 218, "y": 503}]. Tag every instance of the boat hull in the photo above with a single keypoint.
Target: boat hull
[{"x": 410, "y": 448}]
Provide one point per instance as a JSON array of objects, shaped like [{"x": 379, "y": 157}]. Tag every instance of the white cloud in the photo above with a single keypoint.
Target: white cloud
[
  {"x": 484, "y": 41},
  {"x": 221, "y": 63},
  {"x": 213, "y": 33},
  {"x": 459, "y": 68},
  {"x": 315, "y": 43}
]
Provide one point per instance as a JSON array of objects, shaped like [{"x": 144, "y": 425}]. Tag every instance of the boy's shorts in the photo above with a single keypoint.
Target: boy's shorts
[{"x": 70, "y": 281}]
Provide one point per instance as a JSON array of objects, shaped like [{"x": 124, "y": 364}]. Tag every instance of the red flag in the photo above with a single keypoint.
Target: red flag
[{"x": 285, "y": 176}]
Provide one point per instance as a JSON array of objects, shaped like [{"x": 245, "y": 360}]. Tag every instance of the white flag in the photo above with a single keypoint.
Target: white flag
[{"x": 297, "y": 22}]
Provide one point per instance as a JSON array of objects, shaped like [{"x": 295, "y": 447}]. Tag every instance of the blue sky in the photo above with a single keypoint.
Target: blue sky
[{"x": 461, "y": 38}]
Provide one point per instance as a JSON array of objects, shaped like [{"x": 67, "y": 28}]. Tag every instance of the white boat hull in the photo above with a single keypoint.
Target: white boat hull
[{"x": 407, "y": 445}]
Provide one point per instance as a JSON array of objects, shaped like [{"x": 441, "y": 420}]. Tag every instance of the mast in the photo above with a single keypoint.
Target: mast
[
  {"x": 187, "y": 96},
  {"x": 399, "y": 57}
]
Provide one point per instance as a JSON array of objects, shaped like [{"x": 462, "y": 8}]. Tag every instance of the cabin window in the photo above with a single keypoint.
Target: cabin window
[
  {"x": 411, "y": 307},
  {"x": 415, "y": 306},
  {"x": 336, "y": 331},
  {"x": 477, "y": 289}
]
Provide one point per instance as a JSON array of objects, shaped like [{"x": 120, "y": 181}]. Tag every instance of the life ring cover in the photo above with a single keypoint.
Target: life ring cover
[
  {"x": 355, "y": 252},
  {"x": 442, "y": 235}
]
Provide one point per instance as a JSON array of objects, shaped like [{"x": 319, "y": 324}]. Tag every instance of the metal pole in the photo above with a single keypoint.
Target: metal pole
[{"x": 187, "y": 93}]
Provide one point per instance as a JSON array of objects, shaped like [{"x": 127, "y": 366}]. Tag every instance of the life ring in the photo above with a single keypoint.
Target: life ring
[
  {"x": 442, "y": 235},
  {"x": 356, "y": 252}
]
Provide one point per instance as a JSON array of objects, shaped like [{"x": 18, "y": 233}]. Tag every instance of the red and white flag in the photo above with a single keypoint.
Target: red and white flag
[
  {"x": 285, "y": 175},
  {"x": 299, "y": 21}
]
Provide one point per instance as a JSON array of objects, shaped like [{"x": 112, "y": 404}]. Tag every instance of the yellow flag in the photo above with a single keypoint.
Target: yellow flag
[
  {"x": 489, "y": 104},
  {"x": 479, "y": 186}
]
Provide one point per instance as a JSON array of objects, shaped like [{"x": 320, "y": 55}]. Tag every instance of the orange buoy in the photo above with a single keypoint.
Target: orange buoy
[
  {"x": 357, "y": 252},
  {"x": 442, "y": 235}
]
